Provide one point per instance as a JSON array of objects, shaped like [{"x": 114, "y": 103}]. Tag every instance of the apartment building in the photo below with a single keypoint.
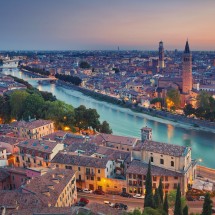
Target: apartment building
[
  {"x": 91, "y": 172},
  {"x": 36, "y": 153},
  {"x": 56, "y": 188},
  {"x": 34, "y": 129},
  {"x": 171, "y": 162},
  {"x": 118, "y": 142}
]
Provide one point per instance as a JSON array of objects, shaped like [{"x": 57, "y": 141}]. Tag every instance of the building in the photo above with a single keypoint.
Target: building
[
  {"x": 3, "y": 157},
  {"x": 187, "y": 79},
  {"x": 161, "y": 55},
  {"x": 36, "y": 153},
  {"x": 91, "y": 172},
  {"x": 12, "y": 178},
  {"x": 118, "y": 142},
  {"x": 171, "y": 162},
  {"x": 33, "y": 129},
  {"x": 56, "y": 188}
]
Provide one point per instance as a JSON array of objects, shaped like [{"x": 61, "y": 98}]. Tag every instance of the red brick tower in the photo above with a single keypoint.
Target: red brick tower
[{"x": 187, "y": 79}]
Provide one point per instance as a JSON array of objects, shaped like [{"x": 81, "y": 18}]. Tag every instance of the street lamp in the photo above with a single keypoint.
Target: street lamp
[{"x": 200, "y": 161}]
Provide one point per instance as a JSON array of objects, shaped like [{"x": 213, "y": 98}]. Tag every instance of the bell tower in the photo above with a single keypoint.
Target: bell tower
[{"x": 187, "y": 79}]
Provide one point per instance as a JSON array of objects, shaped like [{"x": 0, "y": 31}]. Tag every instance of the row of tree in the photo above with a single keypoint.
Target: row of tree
[
  {"x": 36, "y": 70},
  {"x": 22, "y": 104},
  {"x": 69, "y": 78},
  {"x": 205, "y": 107},
  {"x": 157, "y": 204}
]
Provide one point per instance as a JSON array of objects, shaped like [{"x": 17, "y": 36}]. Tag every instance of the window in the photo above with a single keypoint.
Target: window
[
  {"x": 167, "y": 186},
  {"x": 130, "y": 175},
  {"x": 92, "y": 178},
  {"x": 172, "y": 163},
  {"x": 79, "y": 168},
  {"x": 98, "y": 170},
  {"x": 175, "y": 185},
  {"x": 154, "y": 178},
  {"x": 98, "y": 179},
  {"x": 152, "y": 159},
  {"x": 161, "y": 161},
  {"x": 128, "y": 150},
  {"x": 166, "y": 178},
  {"x": 134, "y": 176},
  {"x": 154, "y": 185},
  {"x": 176, "y": 177}
]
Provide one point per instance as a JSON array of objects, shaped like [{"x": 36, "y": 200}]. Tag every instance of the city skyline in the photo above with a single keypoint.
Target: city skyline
[{"x": 99, "y": 25}]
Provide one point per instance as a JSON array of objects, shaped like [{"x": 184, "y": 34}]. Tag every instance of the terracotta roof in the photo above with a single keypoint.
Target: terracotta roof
[
  {"x": 10, "y": 140},
  {"x": 32, "y": 124},
  {"x": 39, "y": 145},
  {"x": 141, "y": 168},
  {"x": 119, "y": 139},
  {"x": 161, "y": 148},
  {"x": 80, "y": 160},
  {"x": 20, "y": 203},
  {"x": 39, "y": 185}
]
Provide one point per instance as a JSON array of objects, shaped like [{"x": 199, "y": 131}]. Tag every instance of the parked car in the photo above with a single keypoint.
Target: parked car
[
  {"x": 126, "y": 195},
  {"x": 99, "y": 192},
  {"x": 190, "y": 198},
  {"x": 121, "y": 206},
  {"x": 85, "y": 190},
  {"x": 80, "y": 204},
  {"x": 138, "y": 196},
  {"x": 86, "y": 201},
  {"x": 109, "y": 203},
  {"x": 79, "y": 189},
  {"x": 201, "y": 198}
]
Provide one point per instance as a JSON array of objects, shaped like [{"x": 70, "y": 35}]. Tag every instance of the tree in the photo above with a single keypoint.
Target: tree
[
  {"x": 105, "y": 128},
  {"x": 84, "y": 65},
  {"x": 61, "y": 113},
  {"x": 207, "y": 206},
  {"x": 33, "y": 105},
  {"x": 173, "y": 98},
  {"x": 178, "y": 208},
  {"x": 172, "y": 197},
  {"x": 17, "y": 101},
  {"x": 188, "y": 110},
  {"x": 160, "y": 190},
  {"x": 47, "y": 96},
  {"x": 203, "y": 100},
  {"x": 92, "y": 118},
  {"x": 135, "y": 212},
  {"x": 148, "y": 186},
  {"x": 185, "y": 210},
  {"x": 165, "y": 204},
  {"x": 152, "y": 211},
  {"x": 157, "y": 199},
  {"x": 200, "y": 112}
]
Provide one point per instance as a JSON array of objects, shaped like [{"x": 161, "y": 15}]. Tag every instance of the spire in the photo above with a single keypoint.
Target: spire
[{"x": 187, "y": 48}]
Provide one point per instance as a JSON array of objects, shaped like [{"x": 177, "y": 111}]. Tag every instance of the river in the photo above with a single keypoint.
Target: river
[{"x": 127, "y": 123}]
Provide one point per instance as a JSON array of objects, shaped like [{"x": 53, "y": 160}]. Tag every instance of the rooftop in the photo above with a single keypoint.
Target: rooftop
[
  {"x": 32, "y": 124},
  {"x": 63, "y": 158},
  {"x": 141, "y": 168},
  {"x": 161, "y": 148},
  {"x": 39, "y": 145}
]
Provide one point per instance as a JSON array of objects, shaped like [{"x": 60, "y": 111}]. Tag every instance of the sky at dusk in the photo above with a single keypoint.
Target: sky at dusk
[{"x": 106, "y": 24}]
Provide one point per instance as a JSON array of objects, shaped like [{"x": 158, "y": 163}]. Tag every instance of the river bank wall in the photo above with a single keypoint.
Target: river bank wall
[
  {"x": 175, "y": 118},
  {"x": 195, "y": 123}
]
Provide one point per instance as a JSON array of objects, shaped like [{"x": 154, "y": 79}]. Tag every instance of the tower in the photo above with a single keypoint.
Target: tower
[
  {"x": 161, "y": 55},
  {"x": 146, "y": 133},
  {"x": 187, "y": 79}
]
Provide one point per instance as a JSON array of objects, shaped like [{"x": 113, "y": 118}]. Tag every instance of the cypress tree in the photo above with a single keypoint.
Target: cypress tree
[
  {"x": 207, "y": 206},
  {"x": 178, "y": 210},
  {"x": 157, "y": 200},
  {"x": 148, "y": 186},
  {"x": 165, "y": 204},
  {"x": 160, "y": 189},
  {"x": 185, "y": 210}
]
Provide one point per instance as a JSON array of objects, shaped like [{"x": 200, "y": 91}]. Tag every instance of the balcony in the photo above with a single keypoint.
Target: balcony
[{"x": 90, "y": 173}]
